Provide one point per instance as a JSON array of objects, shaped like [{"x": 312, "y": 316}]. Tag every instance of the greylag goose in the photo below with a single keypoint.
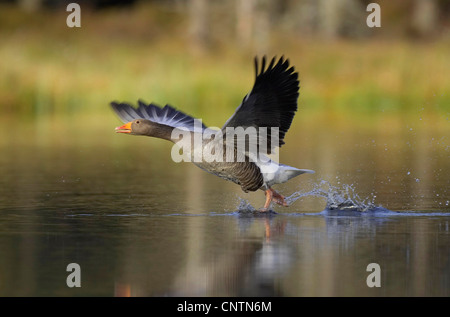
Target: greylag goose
[{"x": 268, "y": 109}]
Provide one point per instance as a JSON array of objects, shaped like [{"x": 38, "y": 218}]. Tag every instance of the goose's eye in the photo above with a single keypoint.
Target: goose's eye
[{"x": 137, "y": 121}]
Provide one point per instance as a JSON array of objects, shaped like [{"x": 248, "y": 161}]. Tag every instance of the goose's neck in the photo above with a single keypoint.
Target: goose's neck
[
  {"x": 161, "y": 131},
  {"x": 184, "y": 138}
]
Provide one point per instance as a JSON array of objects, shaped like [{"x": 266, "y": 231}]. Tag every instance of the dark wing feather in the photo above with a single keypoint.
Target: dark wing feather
[
  {"x": 167, "y": 115},
  {"x": 272, "y": 102}
]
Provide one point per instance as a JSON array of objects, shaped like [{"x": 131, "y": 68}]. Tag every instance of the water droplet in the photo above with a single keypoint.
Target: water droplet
[
  {"x": 408, "y": 173},
  {"x": 417, "y": 180}
]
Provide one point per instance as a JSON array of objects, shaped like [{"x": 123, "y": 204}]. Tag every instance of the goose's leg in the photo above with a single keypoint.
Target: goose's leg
[
  {"x": 269, "y": 197},
  {"x": 279, "y": 199},
  {"x": 272, "y": 195}
]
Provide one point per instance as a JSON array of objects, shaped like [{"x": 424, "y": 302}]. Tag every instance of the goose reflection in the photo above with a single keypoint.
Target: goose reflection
[{"x": 260, "y": 259}]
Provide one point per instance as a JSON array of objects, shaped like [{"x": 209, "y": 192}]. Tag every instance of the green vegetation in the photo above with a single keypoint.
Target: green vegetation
[{"x": 50, "y": 69}]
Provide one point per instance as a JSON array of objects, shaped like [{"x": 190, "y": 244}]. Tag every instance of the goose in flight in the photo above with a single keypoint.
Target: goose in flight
[{"x": 239, "y": 151}]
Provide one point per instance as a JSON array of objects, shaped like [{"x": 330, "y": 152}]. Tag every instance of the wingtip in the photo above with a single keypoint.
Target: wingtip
[
  {"x": 116, "y": 106},
  {"x": 258, "y": 70},
  {"x": 141, "y": 103},
  {"x": 282, "y": 64},
  {"x": 263, "y": 64}
]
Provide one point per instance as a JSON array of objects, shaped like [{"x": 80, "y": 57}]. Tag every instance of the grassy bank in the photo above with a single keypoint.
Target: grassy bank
[{"x": 50, "y": 69}]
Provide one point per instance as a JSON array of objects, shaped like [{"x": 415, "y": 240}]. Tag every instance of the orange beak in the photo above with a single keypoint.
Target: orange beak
[{"x": 126, "y": 128}]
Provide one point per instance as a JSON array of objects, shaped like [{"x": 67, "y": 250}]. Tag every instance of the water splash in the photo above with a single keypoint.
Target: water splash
[
  {"x": 342, "y": 198},
  {"x": 245, "y": 206}
]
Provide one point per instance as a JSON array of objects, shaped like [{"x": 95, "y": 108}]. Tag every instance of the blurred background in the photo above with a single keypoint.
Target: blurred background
[{"x": 198, "y": 55}]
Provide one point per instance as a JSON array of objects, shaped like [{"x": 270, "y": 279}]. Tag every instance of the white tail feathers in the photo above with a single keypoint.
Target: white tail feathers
[{"x": 282, "y": 174}]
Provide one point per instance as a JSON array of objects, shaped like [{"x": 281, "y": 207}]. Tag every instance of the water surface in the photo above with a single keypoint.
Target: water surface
[{"x": 140, "y": 225}]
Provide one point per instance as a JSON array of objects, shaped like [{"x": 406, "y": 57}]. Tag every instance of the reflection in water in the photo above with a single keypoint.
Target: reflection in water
[
  {"x": 319, "y": 255},
  {"x": 253, "y": 269}
]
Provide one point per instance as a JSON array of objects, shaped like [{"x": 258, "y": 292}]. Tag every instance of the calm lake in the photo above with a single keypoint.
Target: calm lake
[{"x": 138, "y": 224}]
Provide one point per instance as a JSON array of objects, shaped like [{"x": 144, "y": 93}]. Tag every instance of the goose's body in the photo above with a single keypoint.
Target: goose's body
[{"x": 272, "y": 103}]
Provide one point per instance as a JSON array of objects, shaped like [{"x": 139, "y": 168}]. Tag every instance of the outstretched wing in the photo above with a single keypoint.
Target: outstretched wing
[
  {"x": 271, "y": 103},
  {"x": 167, "y": 115}
]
